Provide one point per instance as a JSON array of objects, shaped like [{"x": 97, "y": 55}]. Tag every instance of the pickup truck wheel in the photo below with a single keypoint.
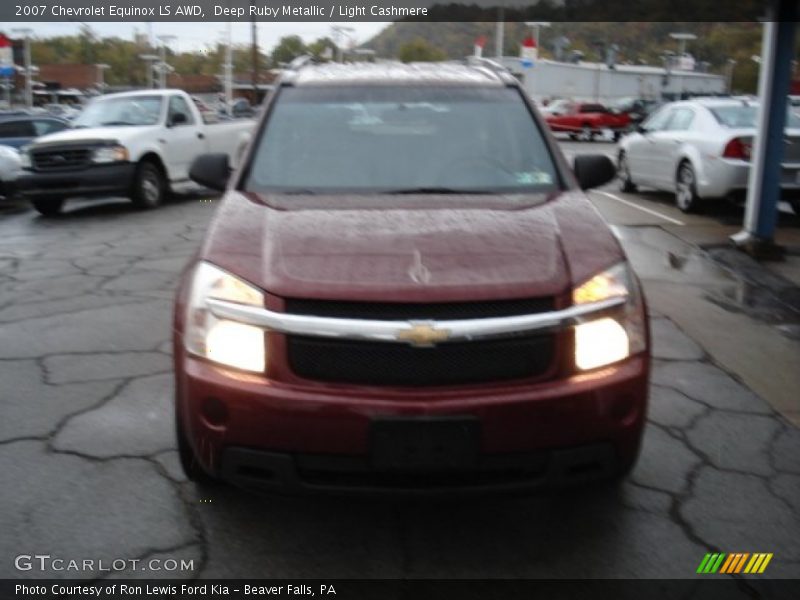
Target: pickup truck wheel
[
  {"x": 192, "y": 469},
  {"x": 686, "y": 189},
  {"x": 624, "y": 175},
  {"x": 149, "y": 187},
  {"x": 49, "y": 207}
]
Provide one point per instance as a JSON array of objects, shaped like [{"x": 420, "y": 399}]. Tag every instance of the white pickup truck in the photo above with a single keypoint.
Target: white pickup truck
[{"x": 136, "y": 144}]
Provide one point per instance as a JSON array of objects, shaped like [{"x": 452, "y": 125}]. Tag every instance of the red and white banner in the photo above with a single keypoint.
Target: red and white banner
[{"x": 528, "y": 51}]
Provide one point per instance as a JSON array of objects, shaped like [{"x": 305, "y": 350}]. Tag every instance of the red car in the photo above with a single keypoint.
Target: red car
[
  {"x": 585, "y": 120},
  {"x": 405, "y": 289}
]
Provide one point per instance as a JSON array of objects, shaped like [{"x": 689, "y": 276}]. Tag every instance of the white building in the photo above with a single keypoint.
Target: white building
[{"x": 548, "y": 79}]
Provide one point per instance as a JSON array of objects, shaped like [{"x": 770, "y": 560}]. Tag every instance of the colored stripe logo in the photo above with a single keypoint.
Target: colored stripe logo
[{"x": 737, "y": 562}]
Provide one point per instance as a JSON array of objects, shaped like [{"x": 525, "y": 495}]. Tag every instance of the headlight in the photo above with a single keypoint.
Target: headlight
[
  {"x": 24, "y": 159},
  {"x": 110, "y": 154},
  {"x": 225, "y": 342},
  {"x": 610, "y": 339}
]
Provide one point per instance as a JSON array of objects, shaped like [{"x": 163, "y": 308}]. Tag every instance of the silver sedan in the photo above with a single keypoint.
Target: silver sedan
[{"x": 700, "y": 149}]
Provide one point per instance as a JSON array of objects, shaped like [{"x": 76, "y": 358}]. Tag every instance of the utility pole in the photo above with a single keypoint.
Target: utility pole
[
  {"x": 254, "y": 52},
  {"x": 731, "y": 65},
  {"x": 228, "y": 71},
  {"x": 500, "y": 31},
  {"x": 339, "y": 33},
  {"x": 164, "y": 68},
  {"x": 101, "y": 84},
  {"x": 150, "y": 59},
  {"x": 26, "y": 31}
]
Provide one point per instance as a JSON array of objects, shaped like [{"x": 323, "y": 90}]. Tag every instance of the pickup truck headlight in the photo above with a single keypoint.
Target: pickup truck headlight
[
  {"x": 222, "y": 341},
  {"x": 110, "y": 154},
  {"x": 24, "y": 159},
  {"x": 610, "y": 339}
]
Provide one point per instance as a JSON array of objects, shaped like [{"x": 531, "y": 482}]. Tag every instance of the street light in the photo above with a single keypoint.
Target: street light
[
  {"x": 682, "y": 39},
  {"x": 101, "y": 67},
  {"x": 339, "y": 32},
  {"x": 26, "y": 32},
  {"x": 150, "y": 59},
  {"x": 164, "y": 68}
]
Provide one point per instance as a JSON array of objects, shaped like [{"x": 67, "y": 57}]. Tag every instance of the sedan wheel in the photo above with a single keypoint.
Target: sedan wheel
[
  {"x": 686, "y": 189},
  {"x": 624, "y": 175},
  {"x": 49, "y": 207}
]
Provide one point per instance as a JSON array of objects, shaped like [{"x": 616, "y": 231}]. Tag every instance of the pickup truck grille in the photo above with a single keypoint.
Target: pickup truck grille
[
  {"x": 393, "y": 364},
  {"x": 60, "y": 159}
]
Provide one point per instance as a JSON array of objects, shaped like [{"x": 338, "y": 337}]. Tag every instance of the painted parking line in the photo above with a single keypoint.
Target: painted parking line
[{"x": 649, "y": 211}]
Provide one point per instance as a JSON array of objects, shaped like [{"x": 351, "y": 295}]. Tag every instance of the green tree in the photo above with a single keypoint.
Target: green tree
[
  {"x": 288, "y": 48},
  {"x": 318, "y": 48},
  {"x": 420, "y": 50}
]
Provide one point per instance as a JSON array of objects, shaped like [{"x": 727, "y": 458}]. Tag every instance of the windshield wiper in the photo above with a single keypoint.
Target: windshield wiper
[
  {"x": 438, "y": 190},
  {"x": 112, "y": 123}
]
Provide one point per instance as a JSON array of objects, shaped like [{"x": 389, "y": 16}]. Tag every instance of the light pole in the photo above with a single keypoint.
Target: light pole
[
  {"x": 164, "y": 67},
  {"x": 150, "y": 59},
  {"x": 339, "y": 32},
  {"x": 731, "y": 65},
  {"x": 26, "y": 32},
  {"x": 682, "y": 39},
  {"x": 101, "y": 67}
]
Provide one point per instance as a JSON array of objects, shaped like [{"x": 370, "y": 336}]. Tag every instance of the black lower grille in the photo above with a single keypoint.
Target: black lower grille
[
  {"x": 59, "y": 159},
  {"x": 393, "y": 364}
]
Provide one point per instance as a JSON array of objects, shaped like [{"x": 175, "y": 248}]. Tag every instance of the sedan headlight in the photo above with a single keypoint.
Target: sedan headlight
[
  {"x": 110, "y": 154},
  {"x": 222, "y": 341},
  {"x": 610, "y": 339}
]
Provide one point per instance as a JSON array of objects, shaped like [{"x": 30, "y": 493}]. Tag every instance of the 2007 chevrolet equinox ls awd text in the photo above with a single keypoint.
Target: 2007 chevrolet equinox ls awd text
[{"x": 404, "y": 290}]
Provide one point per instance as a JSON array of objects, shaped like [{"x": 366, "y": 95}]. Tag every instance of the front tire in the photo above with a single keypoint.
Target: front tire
[
  {"x": 626, "y": 184},
  {"x": 149, "y": 186},
  {"x": 586, "y": 134},
  {"x": 191, "y": 467},
  {"x": 49, "y": 207},
  {"x": 686, "y": 189}
]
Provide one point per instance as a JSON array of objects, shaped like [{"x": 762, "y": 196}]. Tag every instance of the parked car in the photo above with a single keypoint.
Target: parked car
[
  {"x": 637, "y": 109},
  {"x": 585, "y": 120},
  {"x": 405, "y": 288},
  {"x": 64, "y": 111},
  {"x": 9, "y": 169},
  {"x": 19, "y": 130},
  {"x": 700, "y": 149},
  {"x": 138, "y": 144}
]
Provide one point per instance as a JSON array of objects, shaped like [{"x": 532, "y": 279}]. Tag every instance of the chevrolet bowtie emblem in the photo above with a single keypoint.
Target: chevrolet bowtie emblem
[{"x": 422, "y": 335}]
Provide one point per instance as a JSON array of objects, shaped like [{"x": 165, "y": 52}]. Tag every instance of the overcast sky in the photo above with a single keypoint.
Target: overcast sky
[{"x": 196, "y": 36}]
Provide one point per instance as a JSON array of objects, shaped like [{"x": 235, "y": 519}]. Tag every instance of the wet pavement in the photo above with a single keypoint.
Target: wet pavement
[{"x": 88, "y": 467}]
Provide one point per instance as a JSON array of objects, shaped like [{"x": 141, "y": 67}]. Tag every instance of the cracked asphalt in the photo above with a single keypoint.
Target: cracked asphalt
[{"x": 88, "y": 467}]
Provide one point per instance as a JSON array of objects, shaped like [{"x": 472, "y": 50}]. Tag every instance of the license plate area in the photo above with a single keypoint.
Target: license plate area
[{"x": 424, "y": 444}]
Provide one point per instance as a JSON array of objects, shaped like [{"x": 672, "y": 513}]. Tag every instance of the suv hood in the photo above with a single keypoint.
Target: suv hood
[{"x": 459, "y": 253}]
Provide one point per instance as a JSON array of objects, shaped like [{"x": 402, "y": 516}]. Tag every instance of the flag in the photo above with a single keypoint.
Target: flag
[
  {"x": 480, "y": 42},
  {"x": 6, "y": 57},
  {"x": 528, "y": 52}
]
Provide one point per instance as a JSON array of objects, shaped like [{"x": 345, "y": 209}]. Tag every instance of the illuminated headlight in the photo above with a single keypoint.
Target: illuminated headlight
[
  {"x": 110, "y": 154},
  {"x": 611, "y": 338},
  {"x": 222, "y": 341}
]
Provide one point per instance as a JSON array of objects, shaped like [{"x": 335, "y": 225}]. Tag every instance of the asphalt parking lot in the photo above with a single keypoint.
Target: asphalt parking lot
[{"x": 88, "y": 466}]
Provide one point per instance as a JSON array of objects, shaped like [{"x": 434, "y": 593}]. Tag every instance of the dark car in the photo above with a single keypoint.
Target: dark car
[
  {"x": 20, "y": 130},
  {"x": 405, "y": 289}
]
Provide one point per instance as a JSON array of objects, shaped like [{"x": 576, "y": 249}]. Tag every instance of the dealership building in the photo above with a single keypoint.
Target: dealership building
[{"x": 549, "y": 79}]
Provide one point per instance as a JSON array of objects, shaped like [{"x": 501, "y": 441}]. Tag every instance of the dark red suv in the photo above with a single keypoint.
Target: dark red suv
[{"x": 405, "y": 289}]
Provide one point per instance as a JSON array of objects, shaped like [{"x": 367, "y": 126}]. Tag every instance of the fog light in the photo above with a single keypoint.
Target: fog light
[
  {"x": 599, "y": 343},
  {"x": 236, "y": 345}
]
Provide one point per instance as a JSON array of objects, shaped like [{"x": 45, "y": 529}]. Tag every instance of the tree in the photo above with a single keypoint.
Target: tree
[
  {"x": 419, "y": 50},
  {"x": 288, "y": 48},
  {"x": 319, "y": 47}
]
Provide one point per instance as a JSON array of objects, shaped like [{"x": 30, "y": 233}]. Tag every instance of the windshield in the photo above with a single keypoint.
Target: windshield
[
  {"x": 745, "y": 115},
  {"x": 427, "y": 139},
  {"x": 131, "y": 110}
]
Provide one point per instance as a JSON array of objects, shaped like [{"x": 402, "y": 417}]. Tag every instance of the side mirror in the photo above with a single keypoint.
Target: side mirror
[
  {"x": 177, "y": 119},
  {"x": 593, "y": 170},
  {"x": 211, "y": 171}
]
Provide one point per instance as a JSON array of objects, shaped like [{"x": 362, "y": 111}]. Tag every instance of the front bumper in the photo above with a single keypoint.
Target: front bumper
[
  {"x": 90, "y": 181},
  {"x": 274, "y": 435}
]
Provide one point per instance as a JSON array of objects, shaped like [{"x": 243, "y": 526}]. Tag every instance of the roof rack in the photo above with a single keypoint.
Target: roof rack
[
  {"x": 301, "y": 61},
  {"x": 479, "y": 61}
]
